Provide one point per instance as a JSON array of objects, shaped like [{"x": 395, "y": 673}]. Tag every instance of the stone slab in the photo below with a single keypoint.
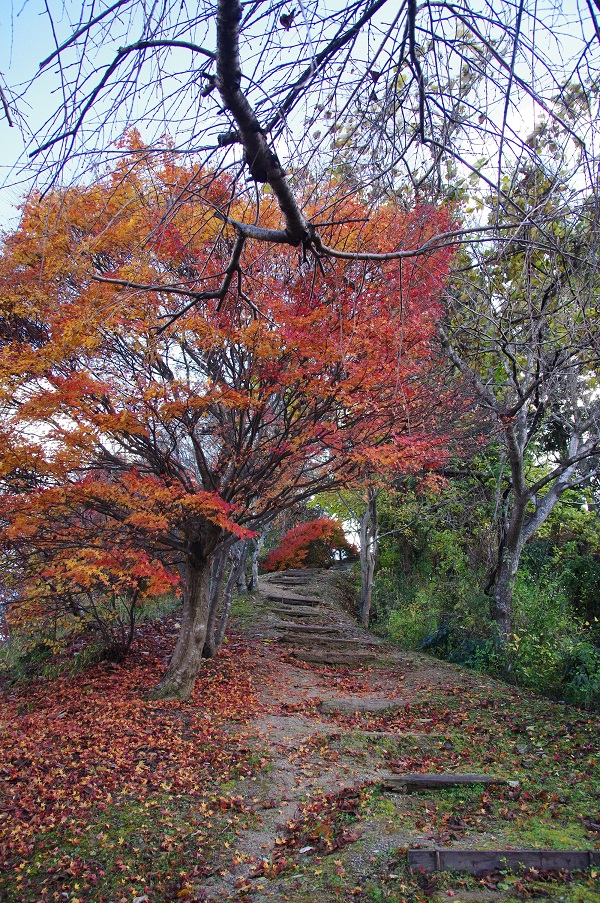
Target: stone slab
[
  {"x": 410, "y": 738},
  {"x": 293, "y": 600},
  {"x": 306, "y": 628},
  {"x": 316, "y": 639},
  {"x": 297, "y": 611},
  {"x": 482, "y": 862},
  {"x": 290, "y": 581},
  {"x": 352, "y": 704},
  {"x": 347, "y": 659}
]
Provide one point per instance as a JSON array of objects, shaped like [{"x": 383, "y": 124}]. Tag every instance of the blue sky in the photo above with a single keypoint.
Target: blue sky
[{"x": 25, "y": 39}]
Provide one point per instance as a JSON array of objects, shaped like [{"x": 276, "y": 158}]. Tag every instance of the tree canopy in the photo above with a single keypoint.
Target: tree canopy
[{"x": 185, "y": 433}]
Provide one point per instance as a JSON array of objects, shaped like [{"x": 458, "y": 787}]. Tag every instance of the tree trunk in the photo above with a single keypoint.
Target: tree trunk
[
  {"x": 368, "y": 551},
  {"x": 217, "y": 575},
  {"x": 257, "y": 549},
  {"x": 179, "y": 678},
  {"x": 237, "y": 566},
  {"x": 241, "y": 579},
  {"x": 508, "y": 565}
]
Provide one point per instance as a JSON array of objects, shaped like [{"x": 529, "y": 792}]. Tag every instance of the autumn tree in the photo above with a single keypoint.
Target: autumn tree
[
  {"x": 188, "y": 427},
  {"x": 69, "y": 568},
  {"x": 311, "y": 543}
]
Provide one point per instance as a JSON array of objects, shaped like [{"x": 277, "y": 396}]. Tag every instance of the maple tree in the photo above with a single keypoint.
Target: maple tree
[
  {"x": 71, "y": 568},
  {"x": 192, "y": 432},
  {"x": 309, "y": 544}
]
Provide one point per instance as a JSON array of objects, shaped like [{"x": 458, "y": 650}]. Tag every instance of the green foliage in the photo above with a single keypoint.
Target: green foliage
[
  {"x": 411, "y": 622},
  {"x": 582, "y": 676},
  {"x": 429, "y": 593}
]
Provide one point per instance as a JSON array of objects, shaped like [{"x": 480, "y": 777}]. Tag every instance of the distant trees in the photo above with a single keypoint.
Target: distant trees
[
  {"x": 189, "y": 427},
  {"x": 522, "y": 330}
]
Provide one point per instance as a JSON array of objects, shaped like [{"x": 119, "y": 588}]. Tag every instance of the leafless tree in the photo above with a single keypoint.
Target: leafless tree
[
  {"x": 523, "y": 331},
  {"x": 389, "y": 96}
]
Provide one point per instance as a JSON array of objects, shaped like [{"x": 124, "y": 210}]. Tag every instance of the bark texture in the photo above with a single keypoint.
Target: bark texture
[
  {"x": 179, "y": 678},
  {"x": 217, "y": 575}
]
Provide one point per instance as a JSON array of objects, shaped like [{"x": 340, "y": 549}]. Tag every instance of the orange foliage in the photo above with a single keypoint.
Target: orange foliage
[{"x": 304, "y": 378}]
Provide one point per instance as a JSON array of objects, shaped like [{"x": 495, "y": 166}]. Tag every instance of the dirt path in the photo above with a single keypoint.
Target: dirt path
[{"x": 330, "y": 733}]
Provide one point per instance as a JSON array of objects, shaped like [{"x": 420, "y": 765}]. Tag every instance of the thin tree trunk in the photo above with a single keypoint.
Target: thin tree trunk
[
  {"x": 506, "y": 572},
  {"x": 237, "y": 566},
  {"x": 256, "y": 550},
  {"x": 369, "y": 528},
  {"x": 179, "y": 678},
  {"x": 241, "y": 579},
  {"x": 217, "y": 575}
]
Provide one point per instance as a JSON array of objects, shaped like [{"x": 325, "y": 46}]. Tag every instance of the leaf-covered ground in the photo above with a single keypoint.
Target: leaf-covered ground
[{"x": 252, "y": 791}]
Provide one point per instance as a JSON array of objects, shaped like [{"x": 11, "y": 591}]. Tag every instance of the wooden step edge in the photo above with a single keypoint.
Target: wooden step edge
[
  {"x": 293, "y": 600},
  {"x": 404, "y": 783},
  {"x": 482, "y": 862}
]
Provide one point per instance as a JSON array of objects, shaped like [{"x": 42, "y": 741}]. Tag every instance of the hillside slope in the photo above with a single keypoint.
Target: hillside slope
[{"x": 270, "y": 784}]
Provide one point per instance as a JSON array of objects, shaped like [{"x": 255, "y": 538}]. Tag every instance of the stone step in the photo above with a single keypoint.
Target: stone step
[
  {"x": 483, "y": 862},
  {"x": 405, "y": 783},
  {"x": 290, "y": 581},
  {"x": 350, "y": 705},
  {"x": 406, "y": 738},
  {"x": 305, "y": 628},
  {"x": 315, "y": 639},
  {"x": 297, "y": 611},
  {"x": 293, "y": 600},
  {"x": 322, "y": 657},
  {"x": 296, "y": 572}
]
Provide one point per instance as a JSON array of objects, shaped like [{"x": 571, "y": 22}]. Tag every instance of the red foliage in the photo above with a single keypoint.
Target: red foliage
[
  {"x": 76, "y": 749},
  {"x": 310, "y": 544},
  {"x": 232, "y": 411}
]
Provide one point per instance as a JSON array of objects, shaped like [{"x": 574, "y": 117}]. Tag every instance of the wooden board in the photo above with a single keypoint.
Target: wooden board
[
  {"x": 482, "y": 862},
  {"x": 404, "y": 783}
]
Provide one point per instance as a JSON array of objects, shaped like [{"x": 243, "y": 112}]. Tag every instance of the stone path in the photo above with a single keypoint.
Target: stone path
[
  {"x": 317, "y": 632},
  {"x": 317, "y": 747}
]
